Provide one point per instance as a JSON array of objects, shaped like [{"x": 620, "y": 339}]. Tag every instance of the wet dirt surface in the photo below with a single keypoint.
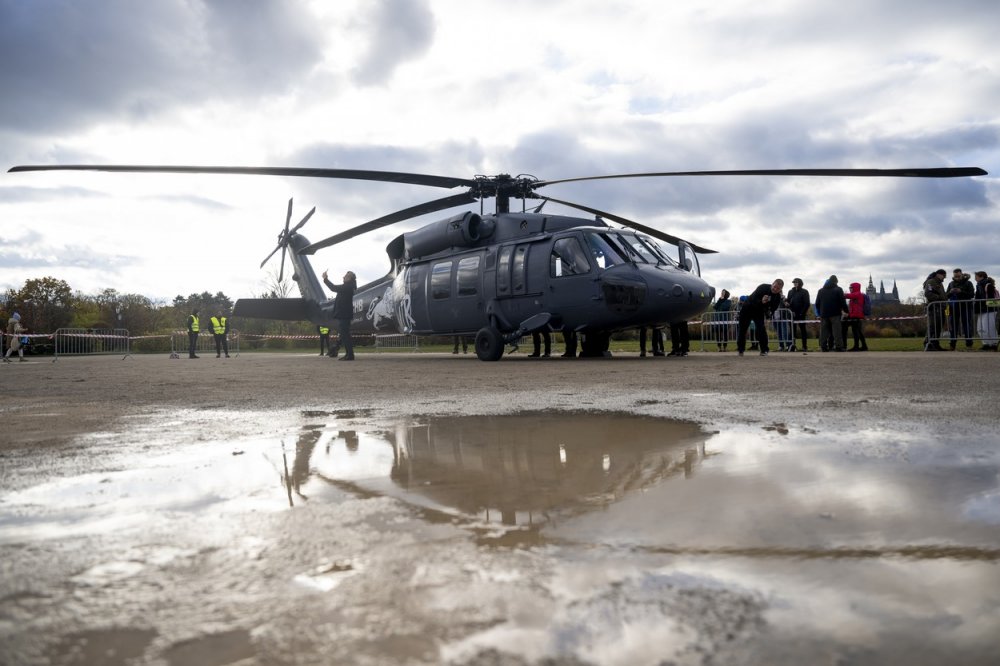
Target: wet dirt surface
[{"x": 286, "y": 509}]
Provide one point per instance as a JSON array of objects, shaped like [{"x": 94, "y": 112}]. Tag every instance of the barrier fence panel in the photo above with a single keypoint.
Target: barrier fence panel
[
  {"x": 78, "y": 341},
  {"x": 721, "y": 328},
  {"x": 962, "y": 323},
  {"x": 397, "y": 341},
  {"x": 718, "y": 328},
  {"x": 180, "y": 345}
]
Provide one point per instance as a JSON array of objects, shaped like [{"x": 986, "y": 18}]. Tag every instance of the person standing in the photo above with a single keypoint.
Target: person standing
[
  {"x": 570, "y": 340},
  {"x": 798, "y": 303},
  {"x": 987, "y": 303},
  {"x": 936, "y": 299},
  {"x": 343, "y": 312},
  {"x": 14, "y": 332},
  {"x": 680, "y": 338},
  {"x": 460, "y": 339},
  {"x": 220, "y": 331},
  {"x": 961, "y": 291},
  {"x": 721, "y": 318},
  {"x": 324, "y": 339},
  {"x": 758, "y": 307},
  {"x": 831, "y": 306},
  {"x": 656, "y": 340},
  {"x": 193, "y": 328},
  {"x": 855, "y": 318},
  {"x": 536, "y": 341}
]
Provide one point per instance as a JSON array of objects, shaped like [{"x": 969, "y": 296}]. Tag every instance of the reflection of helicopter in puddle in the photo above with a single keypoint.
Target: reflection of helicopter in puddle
[
  {"x": 516, "y": 470},
  {"x": 499, "y": 276}
]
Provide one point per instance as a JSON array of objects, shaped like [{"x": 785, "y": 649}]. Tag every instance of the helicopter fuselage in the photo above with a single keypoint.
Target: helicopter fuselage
[
  {"x": 586, "y": 276},
  {"x": 509, "y": 274}
]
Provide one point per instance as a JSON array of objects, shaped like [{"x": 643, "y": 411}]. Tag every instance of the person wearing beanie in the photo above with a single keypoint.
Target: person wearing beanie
[
  {"x": 760, "y": 305},
  {"x": 936, "y": 300},
  {"x": 798, "y": 303},
  {"x": 961, "y": 291},
  {"x": 831, "y": 306}
]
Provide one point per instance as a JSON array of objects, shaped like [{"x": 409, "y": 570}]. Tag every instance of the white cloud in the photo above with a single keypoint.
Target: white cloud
[{"x": 554, "y": 89}]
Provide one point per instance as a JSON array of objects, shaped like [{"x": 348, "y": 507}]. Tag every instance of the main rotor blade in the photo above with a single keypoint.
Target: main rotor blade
[
  {"x": 306, "y": 172},
  {"x": 278, "y": 247},
  {"x": 392, "y": 218},
  {"x": 655, "y": 233},
  {"x": 940, "y": 172},
  {"x": 303, "y": 221}
]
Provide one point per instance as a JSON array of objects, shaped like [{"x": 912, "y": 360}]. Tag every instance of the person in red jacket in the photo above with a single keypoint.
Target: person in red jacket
[{"x": 855, "y": 318}]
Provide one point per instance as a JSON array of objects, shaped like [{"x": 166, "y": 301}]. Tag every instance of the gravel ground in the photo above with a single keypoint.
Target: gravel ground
[{"x": 844, "y": 510}]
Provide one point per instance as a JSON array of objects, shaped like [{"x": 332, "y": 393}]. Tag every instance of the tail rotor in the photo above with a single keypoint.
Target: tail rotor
[{"x": 285, "y": 237}]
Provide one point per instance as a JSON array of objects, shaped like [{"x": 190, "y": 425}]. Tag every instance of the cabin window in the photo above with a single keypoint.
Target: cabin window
[
  {"x": 604, "y": 254},
  {"x": 468, "y": 276},
  {"x": 441, "y": 280},
  {"x": 567, "y": 258},
  {"x": 503, "y": 270},
  {"x": 518, "y": 269}
]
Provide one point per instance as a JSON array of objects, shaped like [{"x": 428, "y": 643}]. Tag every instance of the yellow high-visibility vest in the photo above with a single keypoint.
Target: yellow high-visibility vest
[
  {"x": 323, "y": 330},
  {"x": 219, "y": 325},
  {"x": 194, "y": 324}
]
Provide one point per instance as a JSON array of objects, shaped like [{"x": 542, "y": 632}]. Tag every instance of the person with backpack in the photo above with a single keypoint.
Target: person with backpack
[
  {"x": 936, "y": 300},
  {"x": 855, "y": 320},
  {"x": 986, "y": 305}
]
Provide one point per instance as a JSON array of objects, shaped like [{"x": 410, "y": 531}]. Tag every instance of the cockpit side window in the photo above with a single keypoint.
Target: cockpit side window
[
  {"x": 603, "y": 252},
  {"x": 567, "y": 258}
]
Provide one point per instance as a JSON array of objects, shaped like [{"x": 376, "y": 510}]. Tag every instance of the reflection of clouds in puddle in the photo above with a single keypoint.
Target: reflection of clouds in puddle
[
  {"x": 599, "y": 611},
  {"x": 328, "y": 575},
  {"x": 984, "y": 508},
  {"x": 863, "y": 603},
  {"x": 189, "y": 480}
]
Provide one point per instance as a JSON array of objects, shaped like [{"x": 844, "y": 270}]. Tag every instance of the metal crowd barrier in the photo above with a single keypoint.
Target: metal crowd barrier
[
  {"x": 721, "y": 328},
  {"x": 962, "y": 323},
  {"x": 397, "y": 341},
  {"x": 72, "y": 341},
  {"x": 180, "y": 345}
]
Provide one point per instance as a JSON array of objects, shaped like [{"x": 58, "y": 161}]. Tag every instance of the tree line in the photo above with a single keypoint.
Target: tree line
[{"x": 47, "y": 304}]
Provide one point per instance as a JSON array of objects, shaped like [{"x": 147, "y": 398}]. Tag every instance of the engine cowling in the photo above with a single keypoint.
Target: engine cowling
[{"x": 464, "y": 230}]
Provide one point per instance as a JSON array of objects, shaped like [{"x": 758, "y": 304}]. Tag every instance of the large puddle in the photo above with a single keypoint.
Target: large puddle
[{"x": 596, "y": 537}]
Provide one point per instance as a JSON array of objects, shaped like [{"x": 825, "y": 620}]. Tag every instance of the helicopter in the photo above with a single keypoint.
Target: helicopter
[{"x": 499, "y": 276}]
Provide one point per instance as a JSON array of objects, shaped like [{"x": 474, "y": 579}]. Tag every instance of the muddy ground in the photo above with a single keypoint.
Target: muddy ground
[
  {"x": 361, "y": 570},
  {"x": 48, "y": 404}
]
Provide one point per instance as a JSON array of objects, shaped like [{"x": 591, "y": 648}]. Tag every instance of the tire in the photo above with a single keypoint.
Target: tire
[{"x": 489, "y": 344}]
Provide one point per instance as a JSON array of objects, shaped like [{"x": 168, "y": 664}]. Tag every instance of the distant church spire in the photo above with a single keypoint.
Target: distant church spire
[{"x": 879, "y": 295}]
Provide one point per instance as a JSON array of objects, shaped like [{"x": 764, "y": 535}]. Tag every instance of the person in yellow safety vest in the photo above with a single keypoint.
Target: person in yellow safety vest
[
  {"x": 324, "y": 340},
  {"x": 220, "y": 329},
  {"x": 193, "y": 329}
]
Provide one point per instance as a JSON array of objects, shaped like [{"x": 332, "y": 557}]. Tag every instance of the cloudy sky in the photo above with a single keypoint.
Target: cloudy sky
[{"x": 554, "y": 89}]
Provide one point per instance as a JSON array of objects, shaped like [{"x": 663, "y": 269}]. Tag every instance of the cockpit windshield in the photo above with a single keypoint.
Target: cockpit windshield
[
  {"x": 658, "y": 250},
  {"x": 604, "y": 251},
  {"x": 638, "y": 249}
]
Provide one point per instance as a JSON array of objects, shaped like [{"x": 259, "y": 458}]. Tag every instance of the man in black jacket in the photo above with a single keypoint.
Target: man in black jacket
[
  {"x": 831, "y": 307},
  {"x": 343, "y": 312},
  {"x": 759, "y": 307},
  {"x": 798, "y": 303}
]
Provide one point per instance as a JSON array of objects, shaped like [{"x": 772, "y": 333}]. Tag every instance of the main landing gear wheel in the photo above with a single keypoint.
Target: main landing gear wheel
[{"x": 489, "y": 344}]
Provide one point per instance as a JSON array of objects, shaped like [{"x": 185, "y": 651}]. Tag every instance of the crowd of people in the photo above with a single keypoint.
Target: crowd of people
[{"x": 968, "y": 310}]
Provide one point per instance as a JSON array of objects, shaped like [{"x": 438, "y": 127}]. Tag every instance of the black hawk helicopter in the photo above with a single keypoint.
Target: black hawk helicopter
[{"x": 501, "y": 275}]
